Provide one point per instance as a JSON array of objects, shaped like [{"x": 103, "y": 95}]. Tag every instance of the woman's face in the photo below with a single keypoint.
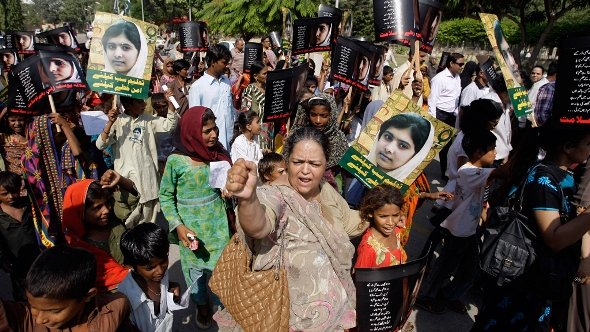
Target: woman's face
[
  {"x": 394, "y": 148},
  {"x": 24, "y": 42},
  {"x": 210, "y": 133},
  {"x": 183, "y": 73},
  {"x": 16, "y": 123},
  {"x": 261, "y": 76},
  {"x": 321, "y": 33},
  {"x": 319, "y": 116},
  {"x": 266, "y": 43},
  {"x": 60, "y": 69},
  {"x": 121, "y": 53},
  {"x": 97, "y": 215},
  {"x": 307, "y": 164},
  {"x": 168, "y": 68},
  {"x": 8, "y": 59},
  {"x": 363, "y": 68}
]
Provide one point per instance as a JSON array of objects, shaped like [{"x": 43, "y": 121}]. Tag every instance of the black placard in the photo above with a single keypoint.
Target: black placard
[
  {"x": 281, "y": 91},
  {"x": 430, "y": 18},
  {"x": 377, "y": 63},
  {"x": 488, "y": 69},
  {"x": 22, "y": 41},
  {"x": 394, "y": 20},
  {"x": 442, "y": 64},
  {"x": 60, "y": 36},
  {"x": 194, "y": 36},
  {"x": 314, "y": 34},
  {"x": 385, "y": 296},
  {"x": 329, "y": 11},
  {"x": 252, "y": 53},
  {"x": 351, "y": 63},
  {"x": 571, "y": 103},
  {"x": 9, "y": 59}
]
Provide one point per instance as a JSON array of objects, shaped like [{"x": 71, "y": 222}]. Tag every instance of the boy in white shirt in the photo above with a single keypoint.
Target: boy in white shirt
[{"x": 459, "y": 256}]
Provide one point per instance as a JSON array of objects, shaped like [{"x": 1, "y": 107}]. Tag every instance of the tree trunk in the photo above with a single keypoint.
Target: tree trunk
[{"x": 542, "y": 38}]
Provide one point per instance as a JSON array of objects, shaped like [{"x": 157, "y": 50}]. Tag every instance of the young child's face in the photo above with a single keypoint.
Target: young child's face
[
  {"x": 54, "y": 313},
  {"x": 254, "y": 126},
  {"x": 154, "y": 271},
  {"x": 387, "y": 78},
  {"x": 7, "y": 197},
  {"x": 386, "y": 218},
  {"x": 16, "y": 123},
  {"x": 278, "y": 170},
  {"x": 319, "y": 116},
  {"x": 210, "y": 133},
  {"x": 97, "y": 215},
  {"x": 489, "y": 157}
]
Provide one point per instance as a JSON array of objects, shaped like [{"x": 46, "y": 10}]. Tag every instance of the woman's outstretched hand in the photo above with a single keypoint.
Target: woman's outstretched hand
[{"x": 242, "y": 179}]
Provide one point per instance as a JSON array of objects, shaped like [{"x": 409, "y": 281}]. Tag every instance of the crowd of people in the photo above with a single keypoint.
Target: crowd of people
[{"x": 78, "y": 231}]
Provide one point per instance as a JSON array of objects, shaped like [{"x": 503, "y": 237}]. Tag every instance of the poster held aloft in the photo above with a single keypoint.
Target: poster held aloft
[
  {"x": 121, "y": 55},
  {"x": 430, "y": 17},
  {"x": 252, "y": 53},
  {"x": 314, "y": 34},
  {"x": 351, "y": 63},
  {"x": 22, "y": 41},
  {"x": 572, "y": 90},
  {"x": 9, "y": 59},
  {"x": 194, "y": 36},
  {"x": 281, "y": 92},
  {"x": 60, "y": 36},
  {"x": 394, "y": 21},
  {"x": 371, "y": 159},
  {"x": 377, "y": 63}
]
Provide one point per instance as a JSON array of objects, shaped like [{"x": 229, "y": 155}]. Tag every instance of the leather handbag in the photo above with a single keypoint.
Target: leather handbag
[{"x": 257, "y": 300}]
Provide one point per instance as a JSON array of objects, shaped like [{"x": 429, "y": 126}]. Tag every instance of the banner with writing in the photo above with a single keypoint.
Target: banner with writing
[
  {"x": 394, "y": 20},
  {"x": 430, "y": 18},
  {"x": 252, "y": 53},
  {"x": 9, "y": 59},
  {"x": 385, "y": 296},
  {"x": 351, "y": 63},
  {"x": 314, "y": 34},
  {"x": 381, "y": 155},
  {"x": 22, "y": 41},
  {"x": 377, "y": 63},
  {"x": 121, "y": 55},
  {"x": 506, "y": 61},
  {"x": 571, "y": 104},
  {"x": 281, "y": 91},
  {"x": 60, "y": 36},
  {"x": 194, "y": 36}
]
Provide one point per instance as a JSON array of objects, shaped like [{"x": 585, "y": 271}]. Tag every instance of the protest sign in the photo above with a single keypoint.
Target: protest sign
[
  {"x": 351, "y": 63},
  {"x": 22, "y": 41},
  {"x": 60, "y": 36},
  {"x": 371, "y": 158},
  {"x": 329, "y": 11},
  {"x": 121, "y": 55},
  {"x": 9, "y": 59},
  {"x": 275, "y": 39},
  {"x": 507, "y": 63},
  {"x": 287, "y": 28},
  {"x": 430, "y": 18},
  {"x": 394, "y": 20},
  {"x": 385, "y": 296},
  {"x": 252, "y": 53},
  {"x": 194, "y": 36},
  {"x": 281, "y": 92},
  {"x": 572, "y": 90},
  {"x": 314, "y": 34},
  {"x": 377, "y": 63}
]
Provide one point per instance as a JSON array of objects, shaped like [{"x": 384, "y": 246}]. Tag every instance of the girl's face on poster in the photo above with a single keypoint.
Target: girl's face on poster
[
  {"x": 65, "y": 39},
  {"x": 8, "y": 59},
  {"x": 363, "y": 69},
  {"x": 121, "y": 53},
  {"x": 321, "y": 33},
  {"x": 210, "y": 133},
  {"x": 60, "y": 69},
  {"x": 394, "y": 148},
  {"x": 24, "y": 42}
]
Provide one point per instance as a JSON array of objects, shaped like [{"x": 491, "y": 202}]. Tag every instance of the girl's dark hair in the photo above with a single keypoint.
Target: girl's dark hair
[
  {"x": 123, "y": 27},
  {"x": 158, "y": 98},
  {"x": 96, "y": 192},
  {"x": 419, "y": 127},
  {"x": 315, "y": 101},
  {"x": 482, "y": 140},
  {"x": 256, "y": 67},
  {"x": 387, "y": 70},
  {"x": 12, "y": 182},
  {"x": 8, "y": 115},
  {"x": 479, "y": 114},
  {"x": 243, "y": 120},
  {"x": 208, "y": 115},
  {"x": 142, "y": 243},
  {"x": 179, "y": 65},
  {"x": 377, "y": 197},
  {"x": 62, "y": 273},
  {"x": 267, "y": 164},
  {"x": 307, "y": 134}
]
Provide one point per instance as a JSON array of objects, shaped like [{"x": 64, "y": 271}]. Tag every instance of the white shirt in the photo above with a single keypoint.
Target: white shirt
[
  {"x": 472, "y": 92},
  {"x": 534, "y": 91},
  {"x": 468, "y": 202},
  {"x": 445, "y": 90},
  {"x": 503, "y": 130},
  {"x": 455, "y": 152},
  {"x": 243, "y": 148},
  {"x": 397, "y": 78},
  {"x": 215, "y": 94}
]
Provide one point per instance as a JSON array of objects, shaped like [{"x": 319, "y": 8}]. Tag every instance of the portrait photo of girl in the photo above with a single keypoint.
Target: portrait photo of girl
[
  {"x": 60, "y": 69},
  {"x": 125, "y": 49}
]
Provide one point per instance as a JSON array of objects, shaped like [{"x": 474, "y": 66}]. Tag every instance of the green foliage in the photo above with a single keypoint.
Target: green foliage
[
  {"x": 251, "y": 17},
  {"x": 13, "y": 15},
  {"x": 575, "y": 22},
  {"x": 362, "y": 18}
]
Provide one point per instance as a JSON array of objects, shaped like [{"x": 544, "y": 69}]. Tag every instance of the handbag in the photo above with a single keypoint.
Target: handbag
[{"x": 257, "y": 300}]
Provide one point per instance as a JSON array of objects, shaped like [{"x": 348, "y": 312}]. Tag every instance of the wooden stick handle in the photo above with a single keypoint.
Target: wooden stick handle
[{"x": 53, "y": 110}]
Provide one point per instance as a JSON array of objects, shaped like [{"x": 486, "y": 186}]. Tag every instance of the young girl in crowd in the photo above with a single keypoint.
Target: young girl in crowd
[
  {"x": 194, "y": 209},
  {"x": 145, "y": 249},
  {"x": 243, "y": 144},
  {"x": 14, "y": 143},
  {"x": 271, "y": 167},
  {"x": 381, "y": 243}
]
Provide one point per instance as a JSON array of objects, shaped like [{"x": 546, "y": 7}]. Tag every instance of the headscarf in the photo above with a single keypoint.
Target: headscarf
[
  {"x": 109, "y": 273},
  {"x": 338, "y": 143},
  {"x": 188, "y": 138},
  {"x": 138, "y": 68}
]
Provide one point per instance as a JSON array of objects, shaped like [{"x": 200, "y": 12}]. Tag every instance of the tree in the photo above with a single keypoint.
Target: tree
[
  {"x": 252, "y": 17},
  {"x": 78, "y": 12},
  {"x": 13, "y": 15},
  {"x": 48, "y": 10}
]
